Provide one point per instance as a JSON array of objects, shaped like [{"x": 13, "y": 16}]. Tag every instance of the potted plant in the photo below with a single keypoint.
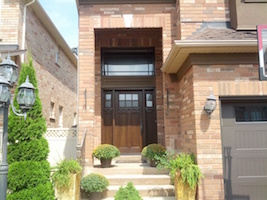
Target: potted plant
[
  {"x": 105, "y": 153},
  {"x": 94, "y": 184},
  {"x": 184, "y": 172},
  {"x": 152, "y": 152},
  {"x": 129, "y": 192},
  {"x": 66, "y": 180}
]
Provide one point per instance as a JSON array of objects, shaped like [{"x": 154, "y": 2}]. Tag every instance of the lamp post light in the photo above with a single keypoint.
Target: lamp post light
[{"x": 25, "y": 98}]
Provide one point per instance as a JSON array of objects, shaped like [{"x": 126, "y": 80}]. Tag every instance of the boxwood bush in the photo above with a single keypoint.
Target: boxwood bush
[
  {"x": 29, "y": 172},
  {"x": 129, "y": 192}
]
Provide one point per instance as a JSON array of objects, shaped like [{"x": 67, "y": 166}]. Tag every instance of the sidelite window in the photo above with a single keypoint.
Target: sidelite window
[
  {"x": 128, "y": 62},
  {"x": 249, "y": 113}
]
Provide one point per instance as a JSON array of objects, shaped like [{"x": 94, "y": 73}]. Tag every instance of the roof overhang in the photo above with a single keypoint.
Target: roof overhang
[
  {"x": 181, "y": 49},
  {"x": 49, "y": 25}
]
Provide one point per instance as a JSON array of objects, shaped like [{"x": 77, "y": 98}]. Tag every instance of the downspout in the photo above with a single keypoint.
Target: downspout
[{"x": 24, "y": 28}]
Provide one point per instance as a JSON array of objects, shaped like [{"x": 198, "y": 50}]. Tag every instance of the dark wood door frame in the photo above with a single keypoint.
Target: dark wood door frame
[{"x": 147, "y": 119}]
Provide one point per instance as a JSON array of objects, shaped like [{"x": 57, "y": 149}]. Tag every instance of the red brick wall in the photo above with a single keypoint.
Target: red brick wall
[
  {"x": 161, "y": 16},
  {"x": 57, "y": 82},
  {"x": 193, "y": 13}
]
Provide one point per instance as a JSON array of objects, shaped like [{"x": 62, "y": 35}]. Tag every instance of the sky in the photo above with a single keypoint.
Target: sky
[{"x": 64, "y": 15}]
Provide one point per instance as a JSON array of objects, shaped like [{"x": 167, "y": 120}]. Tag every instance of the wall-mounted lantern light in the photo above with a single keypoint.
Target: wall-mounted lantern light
[{"x": 210, "y": 104}]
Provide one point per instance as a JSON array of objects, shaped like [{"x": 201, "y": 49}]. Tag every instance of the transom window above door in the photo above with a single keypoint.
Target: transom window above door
[{"x": 128, "y": 62}]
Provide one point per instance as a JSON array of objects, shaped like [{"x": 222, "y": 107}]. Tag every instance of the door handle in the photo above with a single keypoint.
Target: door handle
[{"x": 141, "y": 126}]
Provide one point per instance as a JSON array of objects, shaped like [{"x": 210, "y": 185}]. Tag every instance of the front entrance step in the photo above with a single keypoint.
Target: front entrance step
[
  {"x": 149, "y": 198},
  {"x": 145, "y": 190},
  {"x": 149, "y": 181},
  {"x": 138, "y": 179}
]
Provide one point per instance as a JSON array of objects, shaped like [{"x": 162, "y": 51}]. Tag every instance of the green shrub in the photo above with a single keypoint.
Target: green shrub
[
  {"x": 36, "y": 150},
  {"x": 129, "y": 192},
  {"x": 152, "y": 151},
  {"x": 94, "y": 183},
  {"x": 40, "y": 192},
  {"x": 27, "y": 174},
  {"x": 106, "y": 151},
  {"x": 183, "y": 163},
  {"x": 27, "y": 148},
  {"x": 61, "y": 177}
]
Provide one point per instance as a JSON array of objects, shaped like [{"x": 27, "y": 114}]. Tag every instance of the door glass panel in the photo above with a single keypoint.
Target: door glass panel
[
  {"x": 250, "y": 113},
  {"x": 108, "y": 103},
  {"x": 149, "y": 100},
  {"x": 128, "y": 100}
]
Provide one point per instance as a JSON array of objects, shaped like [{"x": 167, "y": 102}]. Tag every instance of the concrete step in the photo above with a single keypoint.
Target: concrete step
[
  {"x": 148, "y": 191},
  {"x": 124, "y": 168},
  {"x": 149, "y": 181},
  {"x": 138, "y": 179},
  {"x": 148, "y": 198}
]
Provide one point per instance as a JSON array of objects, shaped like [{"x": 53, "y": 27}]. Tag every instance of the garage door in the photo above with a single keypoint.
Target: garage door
[{"x": 244, "y": 138}]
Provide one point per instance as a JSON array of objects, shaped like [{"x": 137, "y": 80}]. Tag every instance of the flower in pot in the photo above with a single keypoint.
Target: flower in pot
[
  {"x": 105, "y": 153},
  {"x": 94, "y": 184},
  {"x": 184, "y": 172},
  {"x": 152, "y": 152}
]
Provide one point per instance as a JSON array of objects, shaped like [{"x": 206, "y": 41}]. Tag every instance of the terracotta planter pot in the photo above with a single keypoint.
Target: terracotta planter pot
[
  {"x": 95, "y": 196},
  {"x": 71, "y": 193},
  {"x": 152, "y": 163},
  {"x": 105, "y": 163},
  {"x": 183, "y": 190}
]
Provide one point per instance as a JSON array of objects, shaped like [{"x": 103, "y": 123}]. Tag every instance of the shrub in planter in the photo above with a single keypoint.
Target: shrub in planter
[
  {"x": 94, "y": 183},
  {"x": 152, "y": 152},
  {"x": 106, "y": 152},
  {"x": 185, "y": 173},
  {"x": 66, "y": 179},
  {"x": 61, "y": 177},
  {"x": 129, "y": 192}
]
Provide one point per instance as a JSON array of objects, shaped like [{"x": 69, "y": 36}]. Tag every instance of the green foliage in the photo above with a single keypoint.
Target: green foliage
[
  {"x": 40, "y": 192},
  {"x": 28, "y": 150},
  {"x": 129, "y": 192},
  {"x": 35, "y": 125},
  {"x": 94, "y": 183},
  {"x": 106, "y": 151},
  {"x": 27, "y": 174},
  {"x": 153, "y": 151},
  {"x": 36, "y": 150},
  {"x": 183, "y": 163},
  {"x": 61, "y": 177}
]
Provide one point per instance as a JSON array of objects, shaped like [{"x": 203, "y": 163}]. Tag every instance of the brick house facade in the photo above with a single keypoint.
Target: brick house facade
[
  {"x": 55, "y": 64},
  {"x": 200, "y": 47}
]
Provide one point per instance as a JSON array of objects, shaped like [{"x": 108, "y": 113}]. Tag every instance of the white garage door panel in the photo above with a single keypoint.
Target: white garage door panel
[{"x": 245, "y": 156}]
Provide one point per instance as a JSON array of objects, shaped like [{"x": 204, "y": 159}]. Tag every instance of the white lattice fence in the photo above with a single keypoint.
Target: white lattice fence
[{"x": 62, "y": 144}]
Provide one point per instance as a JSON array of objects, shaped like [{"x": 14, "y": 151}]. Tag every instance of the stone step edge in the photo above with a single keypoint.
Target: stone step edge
[
  {"x": 148, "y": 198},
  {"x": 143, "y": 187},
  {"x": 137, "y": 176}
]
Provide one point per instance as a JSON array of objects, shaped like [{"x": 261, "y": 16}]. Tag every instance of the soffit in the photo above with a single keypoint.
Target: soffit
[
  {"x": 183, "y": 48},
  {"x": 93, "y": 2}
]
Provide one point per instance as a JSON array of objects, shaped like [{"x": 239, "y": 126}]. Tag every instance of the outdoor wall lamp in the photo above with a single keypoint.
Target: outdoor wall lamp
[
  {"x": 25, "y": 99},
  {"x": 210, "y": 105}
]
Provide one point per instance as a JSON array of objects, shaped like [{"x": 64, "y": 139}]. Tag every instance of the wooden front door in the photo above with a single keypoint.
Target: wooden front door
[{"x": 128, "y": 119}]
